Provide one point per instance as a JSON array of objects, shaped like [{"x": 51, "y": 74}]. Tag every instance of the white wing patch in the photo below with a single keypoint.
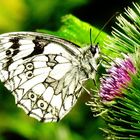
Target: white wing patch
[{"x": 43, "y": 72}]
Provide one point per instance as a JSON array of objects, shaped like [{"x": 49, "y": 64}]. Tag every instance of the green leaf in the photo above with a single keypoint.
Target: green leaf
[{"x": 77, "y": 31}]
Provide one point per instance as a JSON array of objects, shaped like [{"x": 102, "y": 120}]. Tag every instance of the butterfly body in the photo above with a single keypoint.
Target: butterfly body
[{"x": 44, "y": 72}]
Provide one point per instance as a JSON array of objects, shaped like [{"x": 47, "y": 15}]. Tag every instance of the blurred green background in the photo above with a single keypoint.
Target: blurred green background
[{"x": 30, "y": 15}]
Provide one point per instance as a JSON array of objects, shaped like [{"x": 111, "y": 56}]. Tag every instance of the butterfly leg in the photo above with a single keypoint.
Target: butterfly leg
[{"x": 81, "y": 83}]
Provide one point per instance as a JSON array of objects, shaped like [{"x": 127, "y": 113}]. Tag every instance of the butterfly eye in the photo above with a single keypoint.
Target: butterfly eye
[
  {"x": 41, "y": 104},
  {"x": 29, "y": 66},
  {"x": 32, "y": 96},
  {"x": 29, "y": 74}
]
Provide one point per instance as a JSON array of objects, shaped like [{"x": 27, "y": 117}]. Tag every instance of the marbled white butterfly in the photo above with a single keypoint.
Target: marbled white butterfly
[{"x": 44, "y": 72}]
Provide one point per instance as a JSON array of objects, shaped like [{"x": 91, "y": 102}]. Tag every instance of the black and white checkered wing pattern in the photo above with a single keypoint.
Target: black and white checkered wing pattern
[{"x": 42, "y": 73}]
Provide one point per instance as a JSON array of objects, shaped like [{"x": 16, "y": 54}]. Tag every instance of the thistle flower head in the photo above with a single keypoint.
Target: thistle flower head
[
  {"x": 122, "y": 79},
  {"x": 118, "y": 77}
]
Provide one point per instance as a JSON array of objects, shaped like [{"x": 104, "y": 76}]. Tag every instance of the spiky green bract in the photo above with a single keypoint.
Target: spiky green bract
[{"x": 127, "y": 33}]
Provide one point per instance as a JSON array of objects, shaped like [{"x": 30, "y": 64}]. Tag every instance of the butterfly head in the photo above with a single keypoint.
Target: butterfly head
[
  {"x": 92, "y": 56},
  {"x": 95, "y": 55},
  {"x": 95, "y": 51},
  {"x": 94, "y": 60}
]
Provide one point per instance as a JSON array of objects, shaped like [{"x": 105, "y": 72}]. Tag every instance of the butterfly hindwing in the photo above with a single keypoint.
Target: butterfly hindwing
[{"x": 42, "y": 73}]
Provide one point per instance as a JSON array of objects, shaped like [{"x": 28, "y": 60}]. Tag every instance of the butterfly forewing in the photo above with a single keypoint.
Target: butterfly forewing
[{"x": 42, "y": 71}]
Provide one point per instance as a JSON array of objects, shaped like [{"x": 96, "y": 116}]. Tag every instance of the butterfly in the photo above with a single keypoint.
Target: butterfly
[{"x": 45, "y": 73}]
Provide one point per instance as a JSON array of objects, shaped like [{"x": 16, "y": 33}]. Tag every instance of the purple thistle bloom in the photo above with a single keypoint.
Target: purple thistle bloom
[{"x": 118, "y": 78}]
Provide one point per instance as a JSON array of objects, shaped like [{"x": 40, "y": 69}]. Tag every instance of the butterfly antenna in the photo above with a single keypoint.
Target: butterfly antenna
[
  {"x": 105, "y": 25},
  {"x": 90, "y": 37}
]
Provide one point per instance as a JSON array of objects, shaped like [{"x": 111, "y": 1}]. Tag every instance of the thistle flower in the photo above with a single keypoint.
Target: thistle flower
[
  {"x": 122, "y": 115},
  {"x": 118, "y": 78}
]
